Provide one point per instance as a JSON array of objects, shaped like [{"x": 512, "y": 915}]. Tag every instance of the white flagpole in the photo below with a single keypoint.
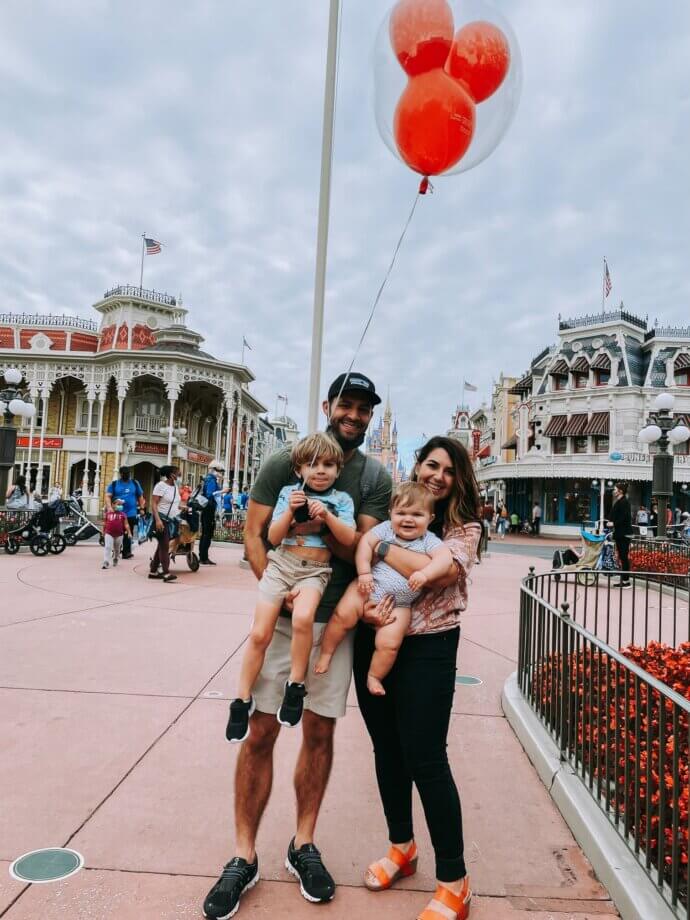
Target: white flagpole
[
  {"x": 603, "y": 287},
  {"x": 324, "y": 208},
  {"x": 143, "y": 247}
]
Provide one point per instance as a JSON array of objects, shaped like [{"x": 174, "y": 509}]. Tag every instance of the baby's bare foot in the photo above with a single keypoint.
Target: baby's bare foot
[
  {"x": 323, "y": 663},
  {"x": 374, "y": 686}
]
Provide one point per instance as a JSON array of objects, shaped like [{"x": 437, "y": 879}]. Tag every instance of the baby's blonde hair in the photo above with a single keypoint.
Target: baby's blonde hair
[
  {"x": 317, "y": 446},
  {"x": 412, "y": 493}
]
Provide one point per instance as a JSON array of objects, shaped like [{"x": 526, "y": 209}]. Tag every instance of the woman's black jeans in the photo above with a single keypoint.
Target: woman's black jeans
[{"x": 409, "y": 728}]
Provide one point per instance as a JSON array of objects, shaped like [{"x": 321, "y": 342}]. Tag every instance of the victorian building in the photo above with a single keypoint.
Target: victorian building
[
  {"x": 382, "y": 444},
  {"x": 133, "y": 387},
  {"x": 577, "y": 413}
]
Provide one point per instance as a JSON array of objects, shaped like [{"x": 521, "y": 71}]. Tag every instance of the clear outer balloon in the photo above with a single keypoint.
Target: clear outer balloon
[{"x": 492, "y": 116}]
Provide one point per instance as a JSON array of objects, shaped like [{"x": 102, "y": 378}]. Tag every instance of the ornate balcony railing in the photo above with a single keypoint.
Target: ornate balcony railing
[
  {"x": 668, "y": 332},
  {"x": 596, "y": 319},
  {"x": 129, "y": 290},
  {"x": 145, "y": 424},
  {"x": 48, "y": 319}
]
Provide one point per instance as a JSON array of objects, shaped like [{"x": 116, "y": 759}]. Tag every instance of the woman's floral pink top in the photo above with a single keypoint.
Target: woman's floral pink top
[{"x": 439, "y": 609}]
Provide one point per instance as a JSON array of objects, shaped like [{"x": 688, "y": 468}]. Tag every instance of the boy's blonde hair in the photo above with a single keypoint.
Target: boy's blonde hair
[
  {"x": 317, "y": 446},
  {"x": 412, "y": 493}
]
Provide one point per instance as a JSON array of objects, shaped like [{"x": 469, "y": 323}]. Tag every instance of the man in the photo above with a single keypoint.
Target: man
[
  {"x": 132, "y": 496},
  {"x": 369, "y": 485},
  {"x": 536, "y": 519},
  {"x": 621, "y": 520},
  {"x": 212, "y": 484}
]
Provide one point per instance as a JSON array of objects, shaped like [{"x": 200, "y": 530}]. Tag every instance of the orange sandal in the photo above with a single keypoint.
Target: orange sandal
[
  {"x": 406, "y": 863},
  {"x": 459, "y": 903}
]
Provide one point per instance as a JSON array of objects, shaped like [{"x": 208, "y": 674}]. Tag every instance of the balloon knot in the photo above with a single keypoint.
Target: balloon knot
[{"x": 425, "y": 186}]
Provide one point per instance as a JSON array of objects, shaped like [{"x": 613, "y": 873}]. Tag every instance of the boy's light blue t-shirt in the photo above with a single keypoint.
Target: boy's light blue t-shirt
[{"x": 338, "y": 503}]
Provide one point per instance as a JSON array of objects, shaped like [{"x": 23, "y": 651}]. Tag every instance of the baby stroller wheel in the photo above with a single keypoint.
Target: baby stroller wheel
[
  {"x": 11, "y": 546},
  {"x": 40, "y": 544},
  {"x": 69, "y": 538},
  {"x": 587, "y": 578},
  {"x": 193, "y": 561},
  {"x": 58, "y": 544}
]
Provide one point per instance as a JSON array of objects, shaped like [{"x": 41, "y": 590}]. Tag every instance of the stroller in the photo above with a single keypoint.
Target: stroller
[
  {"x": 190, "y": 523},
  {"x": 40, "y": 533},
  {"x": 597, "y": 556},
  {"x": 84, "y": 529}
]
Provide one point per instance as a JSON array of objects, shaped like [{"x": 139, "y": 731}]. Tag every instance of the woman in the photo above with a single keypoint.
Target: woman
[
  {"x": 17, "y": 495},
  {"x": 409, "y": 725},
  {"x": 165, "y": 506}
]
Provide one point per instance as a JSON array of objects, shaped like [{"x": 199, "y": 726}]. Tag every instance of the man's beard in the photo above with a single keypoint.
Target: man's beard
[{"x": 346, "y": 443}]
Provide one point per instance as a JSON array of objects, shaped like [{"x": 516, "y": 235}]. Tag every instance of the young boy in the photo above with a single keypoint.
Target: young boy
[
  {"x": 301, "y": 561},
  {"x": 412, "y": 510},
  {"x": 116, "y": 526}
]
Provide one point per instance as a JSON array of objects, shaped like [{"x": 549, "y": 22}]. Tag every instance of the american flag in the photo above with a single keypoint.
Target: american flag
[
  {"x": 153, "y": 247},
  {"x": 607, "y": 279}
]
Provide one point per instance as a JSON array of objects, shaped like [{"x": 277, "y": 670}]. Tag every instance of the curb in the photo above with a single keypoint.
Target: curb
[{"x": 632, "y": 891}]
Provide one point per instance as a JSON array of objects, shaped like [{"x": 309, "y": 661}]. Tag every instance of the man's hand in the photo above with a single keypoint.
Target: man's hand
[
  {"x": 417, "y": 580},
  {"x": 381, "y": 613},
  {"x": 365, "y": 584},
  {"x": 317, "y": 509},
  {"x": 296, "y": 500},
  {"x": 289, "y": 601}
]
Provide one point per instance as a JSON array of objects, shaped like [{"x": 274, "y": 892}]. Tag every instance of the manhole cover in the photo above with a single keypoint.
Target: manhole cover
[
  {"x": 467, "y": 681},
  {"x": 47, "y": 865}
]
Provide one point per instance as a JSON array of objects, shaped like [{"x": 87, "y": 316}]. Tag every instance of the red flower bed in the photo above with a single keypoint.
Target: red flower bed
[
  {"x": 610, "y": 705},
  {"x": 649, "y": 559}
]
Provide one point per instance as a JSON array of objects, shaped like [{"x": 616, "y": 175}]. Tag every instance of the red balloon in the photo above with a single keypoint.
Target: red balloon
[
  {"x": 421, "y": 34},
  {"x": 479, "y": 59},
  {"x": 434, "y": 123}
]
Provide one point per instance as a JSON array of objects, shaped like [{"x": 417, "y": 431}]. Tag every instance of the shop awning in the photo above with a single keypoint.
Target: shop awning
[
  {"x": 555, "y": 427},
  {"x": 576, "y": 425},
  {"x": 524, "y": 385},
  {"x": 560, "y": 369},
  {"x": 510, "y": 444},
  {"x": 484, "y": 452},
  {"x": 682, "y": 362},
  {"x": 598, "y": 424},
  {"x": 581, "y": 366},
  {"x": 602, "y": 362}
]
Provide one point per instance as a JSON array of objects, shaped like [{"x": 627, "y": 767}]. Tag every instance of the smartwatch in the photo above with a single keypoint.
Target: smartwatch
[{"x": 382, "y": 549}]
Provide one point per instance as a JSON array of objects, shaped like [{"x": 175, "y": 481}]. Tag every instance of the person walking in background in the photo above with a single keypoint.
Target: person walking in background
[
  {"x": 17, "y": 495},
  {"x": 244, "y": 499},
  {"x": 514, "y": 522},
  {"x": 503, "y": 522},
  {"x": 212, "y": 484},
  {"x": 116, "y": 526},
  {"x": 621, "y": 521},
  {"x": 653, "y": 521},
  {"x": 132, "y": 495},
  {"x": 536, "y": 519},
  {"x": 165, "y": 506}
]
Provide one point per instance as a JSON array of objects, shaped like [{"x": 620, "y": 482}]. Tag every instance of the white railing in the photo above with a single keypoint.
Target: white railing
[
  {"x": 145, "y": 424},
  {"x": 40, "y": 319}
]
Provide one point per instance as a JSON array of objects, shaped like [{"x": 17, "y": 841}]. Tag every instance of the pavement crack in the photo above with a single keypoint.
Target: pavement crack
[{"x": 487, "y": 649}]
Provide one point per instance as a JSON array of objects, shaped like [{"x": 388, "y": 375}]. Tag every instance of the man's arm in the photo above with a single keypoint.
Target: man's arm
[
  {"x": 364, "y": 523},
  {"x": 256, "y": 524}
]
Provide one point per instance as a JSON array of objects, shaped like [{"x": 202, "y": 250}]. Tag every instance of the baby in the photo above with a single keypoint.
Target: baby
[
  {"x": 412, "y": 510},
  {"x": 301, "y": 562}
]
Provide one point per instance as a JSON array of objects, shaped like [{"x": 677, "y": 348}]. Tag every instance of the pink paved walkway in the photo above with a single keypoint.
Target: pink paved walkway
[{"x": 113, "y": 702}]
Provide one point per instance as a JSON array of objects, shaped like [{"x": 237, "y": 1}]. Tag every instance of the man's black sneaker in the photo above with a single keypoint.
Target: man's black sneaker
[
  {"x": 291, "y": 708},
  {"x": 206, "y": 562},
  {"x": 223, "y": 899},
  {"x": 238, "y": 722},
  {"x": 315, "y": 881}
]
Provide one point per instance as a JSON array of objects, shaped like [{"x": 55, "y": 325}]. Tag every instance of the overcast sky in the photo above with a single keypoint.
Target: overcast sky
[{"x": 200, "y": 124}]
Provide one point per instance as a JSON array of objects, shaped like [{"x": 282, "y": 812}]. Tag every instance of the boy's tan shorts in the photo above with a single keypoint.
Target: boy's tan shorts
[
  {"x": 286, "y": 570},
  {"x": 326, "y": 693}
]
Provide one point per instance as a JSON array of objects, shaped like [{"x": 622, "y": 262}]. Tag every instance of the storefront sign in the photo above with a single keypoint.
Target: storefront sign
[
  {"x": 48, "y": 443},
  {"x": 476, "y": 438},
  {"x": 195, "y": 457},
  {"x": 146, "y": 447},
  {"x": 488, "y": 461}
]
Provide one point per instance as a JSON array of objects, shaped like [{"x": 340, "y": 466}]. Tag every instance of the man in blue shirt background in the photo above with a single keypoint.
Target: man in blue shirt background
[
  {"x": 212, "y": 483},
  {"x": 131, "y": 494}
]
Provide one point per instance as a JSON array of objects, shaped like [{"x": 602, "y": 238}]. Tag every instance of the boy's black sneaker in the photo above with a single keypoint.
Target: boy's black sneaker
[
  {"x": 223, "y": 900},
  {"x": 291, "y": 708},
  {"x": 315, "y": 881},
  {"x": 238, "y": 723}
]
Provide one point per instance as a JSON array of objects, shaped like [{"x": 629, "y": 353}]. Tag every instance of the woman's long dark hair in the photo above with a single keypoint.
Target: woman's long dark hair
[
  {"x": 463, "y": 504},
  {"x": 20, "y": 482}
]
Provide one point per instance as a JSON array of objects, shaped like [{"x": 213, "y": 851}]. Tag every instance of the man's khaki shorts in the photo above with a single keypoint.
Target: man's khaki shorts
[
  {"x": 326, "y": 693},
  {"x": 286, "y": 570}
]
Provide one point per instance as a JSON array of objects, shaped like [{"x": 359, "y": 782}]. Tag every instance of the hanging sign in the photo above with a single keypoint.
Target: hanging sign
[
  {"x": 195, "y": 457},
  {"x": 146, "y": 447},
  {"x": 48, "y": 443}
]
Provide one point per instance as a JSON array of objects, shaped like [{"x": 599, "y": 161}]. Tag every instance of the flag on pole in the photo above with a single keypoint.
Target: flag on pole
[
  {"x": 470, "y": 387},
  {"x": 153, "y": 247},
  {"x": 607, "y": 279},
  {"x": 246, "y": 344}
]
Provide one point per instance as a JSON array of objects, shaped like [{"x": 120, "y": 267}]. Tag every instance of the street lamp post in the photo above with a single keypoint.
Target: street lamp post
[
  {"x": 11, "y": 403},
  {"x": 662, "y": 430}
]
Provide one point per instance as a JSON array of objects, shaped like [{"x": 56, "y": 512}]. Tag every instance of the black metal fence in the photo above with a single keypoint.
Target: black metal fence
[
  {"x": 663, "y": 558},
  {"x": 12, "y": 519},
  {"x": 624, "y": 730},
  {"x": 231, "y": 528}
]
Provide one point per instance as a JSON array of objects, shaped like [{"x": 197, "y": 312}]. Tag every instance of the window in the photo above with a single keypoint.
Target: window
[
  {"x": 580, "y": 445},
  {"x": 559, "y": 445},
  {"x": 601, "y": 444},
  {"x": 558, "y": 383},
  {"x": 580, "y": 381},
  {"x": 601, "y": 377},
  {"x": 84, "y": 415},
  {"x": 551, "y": 503},
  {"x": 577, "y": 501},
  {"x": 682, "y": 378},
  {"x": 683, "y": 448}
]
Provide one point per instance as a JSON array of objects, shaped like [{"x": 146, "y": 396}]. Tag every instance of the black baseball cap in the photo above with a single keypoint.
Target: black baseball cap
[{"x": 356, "y": 383}]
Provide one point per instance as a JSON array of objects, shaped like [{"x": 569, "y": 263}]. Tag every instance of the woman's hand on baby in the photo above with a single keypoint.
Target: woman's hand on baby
[
  {"x": 417, "y": 580},
  {"x": 365, "y": 584},
  {"x": 297, "y": 499},
  {"x": 381, "y": 613},
  {"x": 317, "y": 509}
]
